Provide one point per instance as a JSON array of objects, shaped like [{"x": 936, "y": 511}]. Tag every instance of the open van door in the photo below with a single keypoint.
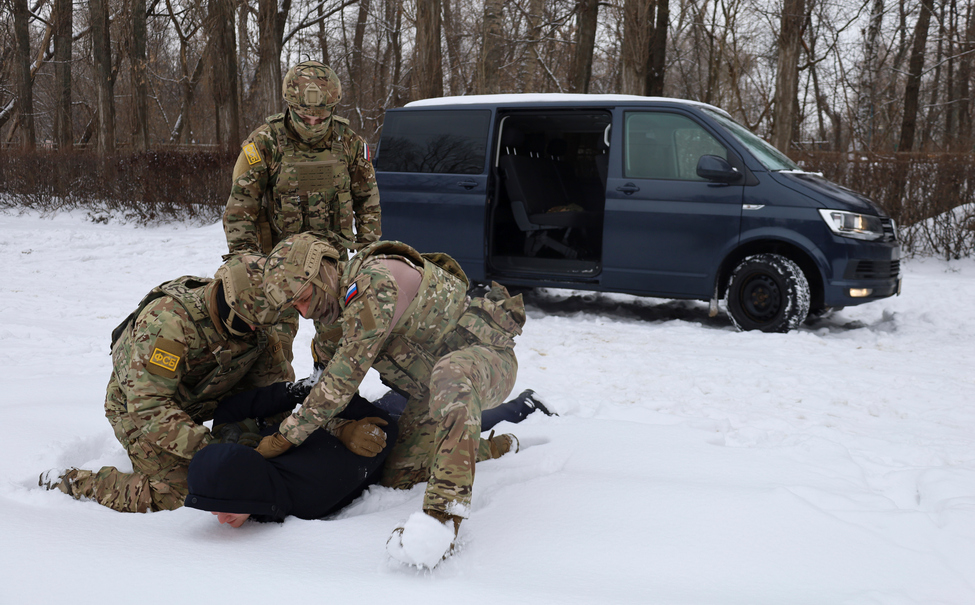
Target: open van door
[{"x": 433, "y": 163}]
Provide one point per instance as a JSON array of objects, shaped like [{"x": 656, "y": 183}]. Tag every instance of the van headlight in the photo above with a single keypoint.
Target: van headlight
[{"x": 851, "y": 224}]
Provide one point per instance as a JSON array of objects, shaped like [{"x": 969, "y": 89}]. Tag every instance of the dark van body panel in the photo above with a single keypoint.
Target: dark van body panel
[{"x": 626, "y": 211}]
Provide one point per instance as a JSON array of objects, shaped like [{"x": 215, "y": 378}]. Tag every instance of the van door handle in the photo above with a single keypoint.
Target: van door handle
[
  {"x": 628, "y": 188},
  {"x": 468, "y": 184}
]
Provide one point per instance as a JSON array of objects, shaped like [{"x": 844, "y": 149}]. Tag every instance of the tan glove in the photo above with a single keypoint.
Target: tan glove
[
  {"x": 364, "y": 437},
  {"x": 273, "y": 446}
]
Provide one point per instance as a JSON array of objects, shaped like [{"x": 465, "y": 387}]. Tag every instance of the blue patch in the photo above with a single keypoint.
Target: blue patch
[{"x": 351, "y": 292}]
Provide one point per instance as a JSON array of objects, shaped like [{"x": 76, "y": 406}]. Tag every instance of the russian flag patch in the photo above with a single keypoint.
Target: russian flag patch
[{"x": 351, "y": 292}]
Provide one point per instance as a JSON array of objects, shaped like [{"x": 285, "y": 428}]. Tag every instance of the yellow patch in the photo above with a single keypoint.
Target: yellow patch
[
  {"x": 251, "y": 153},
  {"x": 165, "y": 360}
]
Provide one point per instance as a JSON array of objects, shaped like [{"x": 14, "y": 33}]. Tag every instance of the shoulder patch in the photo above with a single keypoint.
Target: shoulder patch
[
  {"x": 165, "y": 358},
  {"x": 351, "y": 293},
  {"x": 252, "y": 154}
]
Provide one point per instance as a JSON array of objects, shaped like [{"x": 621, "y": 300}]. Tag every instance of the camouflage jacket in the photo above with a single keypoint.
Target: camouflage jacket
[
  {"x": 440, "y": 318},
  {"x": 282, "y": 186},
  {"x": 173, "y": 360}
]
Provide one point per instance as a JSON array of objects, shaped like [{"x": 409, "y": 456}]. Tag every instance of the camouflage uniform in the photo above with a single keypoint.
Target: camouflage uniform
[
  {"x": 173, "y": 359},
  {"x": 454, "y": 357},
  {"x": 287, "y": 181}
]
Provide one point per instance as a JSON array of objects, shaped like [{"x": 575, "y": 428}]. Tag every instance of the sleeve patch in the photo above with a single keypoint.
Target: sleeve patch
[
  {"x": 165, "y": 358},
  {"x": 351, "y": 293},
  {"x": 252, "y": 154}
]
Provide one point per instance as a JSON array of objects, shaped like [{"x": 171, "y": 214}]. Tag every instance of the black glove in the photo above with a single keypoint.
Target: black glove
[
  {"x": 298, "y": 391},
  {"x": 245, "y": 432}
]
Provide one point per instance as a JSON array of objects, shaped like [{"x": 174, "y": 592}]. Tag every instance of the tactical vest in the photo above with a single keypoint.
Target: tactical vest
[
  {"x": 190, "y": 292},
  {"x": 417, "y": 340},
  {"x": 311, "y": 188}
]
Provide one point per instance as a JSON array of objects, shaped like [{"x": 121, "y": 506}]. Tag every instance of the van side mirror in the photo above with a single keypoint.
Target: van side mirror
[{"x": 715, "y": 168}]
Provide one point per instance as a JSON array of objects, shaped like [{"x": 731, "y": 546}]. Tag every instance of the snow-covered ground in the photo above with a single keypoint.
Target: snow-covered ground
[{"x": 691, "y": 464}]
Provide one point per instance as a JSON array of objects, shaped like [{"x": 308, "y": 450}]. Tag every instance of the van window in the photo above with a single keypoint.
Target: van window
[
  {"x": 453, "y": 142},
  {"x": 666, "y": 146}
]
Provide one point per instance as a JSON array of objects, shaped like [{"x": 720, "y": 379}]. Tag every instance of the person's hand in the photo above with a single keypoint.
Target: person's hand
[
  {"x": 364, "y": 437},
  {"x": 273, "y": 446}
]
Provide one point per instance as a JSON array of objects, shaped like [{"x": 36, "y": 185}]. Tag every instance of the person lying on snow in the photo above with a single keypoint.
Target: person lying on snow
[{"x": 326, "y": 473}]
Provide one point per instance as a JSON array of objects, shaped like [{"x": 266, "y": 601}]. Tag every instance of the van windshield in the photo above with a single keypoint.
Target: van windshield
[{"x": 769, "y": 156}]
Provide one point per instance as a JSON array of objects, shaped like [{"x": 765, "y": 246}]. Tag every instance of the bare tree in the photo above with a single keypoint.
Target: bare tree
[
  {"x": 489, "y": 72},
  {"x": 787, "y": 76},
  {"x": 62, "y": 19},
  {"x": 271, "y": 20},
  {"x": 657, "y": 52},
  {"x": 427, "y": 68},
  {"x": 586, "y": 23},
  {"x": 636, "y": 45},
  {"x": 914, "y": 72},
  {"x": 25, "y": 95},
  {"x": 137, "y": 65},
  {"x": 101, "y": 48},
  {"x": 223, "y": 73}
]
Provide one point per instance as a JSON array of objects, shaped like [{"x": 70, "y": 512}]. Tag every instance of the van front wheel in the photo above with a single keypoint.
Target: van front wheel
[{"x": 767, "y": 292}]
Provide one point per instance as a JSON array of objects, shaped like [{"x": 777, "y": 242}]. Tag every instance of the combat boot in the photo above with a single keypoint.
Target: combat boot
[
  {"x": 502, "y": 444},
  {"x": 63, "y": 479},
  {"x": 426, "y": 539}
]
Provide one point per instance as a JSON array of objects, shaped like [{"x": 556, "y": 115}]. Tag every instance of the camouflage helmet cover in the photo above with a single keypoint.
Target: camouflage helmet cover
[
  {"x": 293, "y": 264},
  {"x": 243, "y": 280},
  {"x": 312, "y": 88}
]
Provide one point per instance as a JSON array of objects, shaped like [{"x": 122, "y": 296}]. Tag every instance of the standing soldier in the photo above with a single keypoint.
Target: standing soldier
[
  {"x": 303, "y": 170},
  {"x": 407, "y": 315},
  {"x": 190, "y": 342}
]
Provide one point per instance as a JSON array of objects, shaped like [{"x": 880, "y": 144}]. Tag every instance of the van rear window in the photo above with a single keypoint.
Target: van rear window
[{"x": 453, "y": 142}]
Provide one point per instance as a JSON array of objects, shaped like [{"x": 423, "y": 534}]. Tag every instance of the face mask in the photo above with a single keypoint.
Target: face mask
[
  {"x": 324, "y": 303},
  {"x": 308, "y": 133}
]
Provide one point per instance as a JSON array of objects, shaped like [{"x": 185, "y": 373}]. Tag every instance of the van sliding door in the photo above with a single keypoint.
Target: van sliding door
[{"x": 432, "y": 173}]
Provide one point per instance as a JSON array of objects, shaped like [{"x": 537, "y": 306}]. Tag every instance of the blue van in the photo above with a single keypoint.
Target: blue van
[{"x": 614, "y": 193}]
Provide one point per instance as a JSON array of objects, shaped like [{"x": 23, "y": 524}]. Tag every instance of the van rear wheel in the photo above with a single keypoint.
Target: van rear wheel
[{"x": 767, "y": 292}]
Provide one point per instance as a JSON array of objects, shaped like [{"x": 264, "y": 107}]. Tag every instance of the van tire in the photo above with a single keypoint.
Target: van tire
[{"x": 767, "y": 292}]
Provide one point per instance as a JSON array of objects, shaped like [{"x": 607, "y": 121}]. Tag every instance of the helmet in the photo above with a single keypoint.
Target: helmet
[
  {"x": 296, "y": 262},
  {"x": 312, "y": 88},
  {"x": 242, "y": 279}
]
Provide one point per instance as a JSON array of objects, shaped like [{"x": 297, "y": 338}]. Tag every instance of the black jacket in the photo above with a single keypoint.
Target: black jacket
[{"x": 309, "y": 481}]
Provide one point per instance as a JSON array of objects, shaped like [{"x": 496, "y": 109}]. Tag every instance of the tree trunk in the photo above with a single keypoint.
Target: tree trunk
[
  {"x": 101, "y": 45},
  {"x": 492, "y": 50},
  {"x": 22, "y": 58},
  {"x": 356, "y": 77},
  {"x": 656, "y": 63},
  {"x": 787, "y": 78},
  {"x": 915, "y": 67},
  {"x": 140, "y": 86},
  {"x": 223, "y": 59},
  {"x": 271, "y": 18},
  {"x": 427, "y": 69},
  {"x": 455, "y": 79},
  {"x": 63, "y": 128},
  {"x": 581, "y": 71},
  {"x": 867, "y": 93},
  {"x": 963, "y": 142},
  {"x": 322, "y": 35},
  {"x": 636, "y": 36}
]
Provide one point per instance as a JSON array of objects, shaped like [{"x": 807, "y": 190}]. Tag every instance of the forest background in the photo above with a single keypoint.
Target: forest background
[{"x": 141, "y": 105}]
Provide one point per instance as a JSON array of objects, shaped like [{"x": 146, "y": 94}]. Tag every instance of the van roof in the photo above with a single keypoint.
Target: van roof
[{"x": 553, "y": 98}]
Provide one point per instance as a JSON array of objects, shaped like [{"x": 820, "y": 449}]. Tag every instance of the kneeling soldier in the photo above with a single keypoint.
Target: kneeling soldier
[{"x": 190, "y": 342}]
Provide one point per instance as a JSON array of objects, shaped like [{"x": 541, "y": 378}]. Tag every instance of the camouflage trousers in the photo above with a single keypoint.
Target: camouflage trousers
[
  {"x": 440, "y": 435},
  {"x": 157, "y": 481}
]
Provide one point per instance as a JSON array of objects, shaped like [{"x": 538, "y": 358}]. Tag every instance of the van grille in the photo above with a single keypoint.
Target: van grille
[{"x": 873, "y": 269}]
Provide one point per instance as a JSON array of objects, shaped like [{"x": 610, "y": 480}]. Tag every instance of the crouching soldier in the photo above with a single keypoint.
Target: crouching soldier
[
  {"x": 408, "y": 316},
  {"x": 190, "y": 342}
]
